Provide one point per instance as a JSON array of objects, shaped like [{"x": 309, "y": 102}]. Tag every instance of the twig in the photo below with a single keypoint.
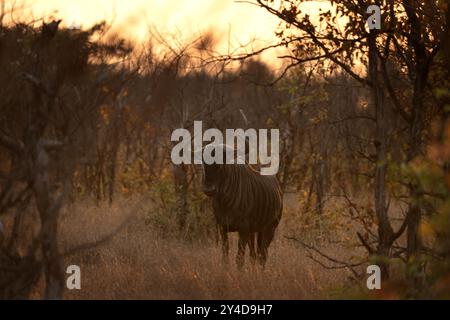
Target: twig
[{"x": 339, "y": 264}]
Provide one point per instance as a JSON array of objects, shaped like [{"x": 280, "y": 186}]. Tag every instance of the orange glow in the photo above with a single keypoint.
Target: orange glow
[
  {"x": 232, "y": 22},
  {"x": 133, "y": 18}
]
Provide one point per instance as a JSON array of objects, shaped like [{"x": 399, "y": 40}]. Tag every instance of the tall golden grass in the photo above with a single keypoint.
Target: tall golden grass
[{"x": 141, "y": 263}]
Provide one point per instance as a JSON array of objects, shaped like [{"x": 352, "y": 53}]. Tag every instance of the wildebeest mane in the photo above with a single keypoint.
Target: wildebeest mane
[{"x": 247, "y": 198}]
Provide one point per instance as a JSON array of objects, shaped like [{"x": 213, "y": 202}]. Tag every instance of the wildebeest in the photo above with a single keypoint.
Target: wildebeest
[{"x": 246, "y": 202}]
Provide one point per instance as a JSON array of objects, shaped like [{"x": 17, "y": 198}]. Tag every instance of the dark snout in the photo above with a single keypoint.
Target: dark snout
[{"x": 209, "y": 190}]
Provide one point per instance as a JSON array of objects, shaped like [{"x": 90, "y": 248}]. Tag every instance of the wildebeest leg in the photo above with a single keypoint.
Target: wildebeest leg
[
  {"x": 251, "y": 246},
  {"x": 264, "y": 239},
  {"x": 225, "y": 244},
  {"x": 243, "y": 240}
]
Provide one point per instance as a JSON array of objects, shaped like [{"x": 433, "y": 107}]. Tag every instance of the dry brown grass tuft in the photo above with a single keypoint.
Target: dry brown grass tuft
[{"x": 138, "y": 263}]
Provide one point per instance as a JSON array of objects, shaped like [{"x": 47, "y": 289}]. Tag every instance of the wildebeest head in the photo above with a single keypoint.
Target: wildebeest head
[
  {"x": 211, "y": 178},
  {"x": 212, "y": 173}
]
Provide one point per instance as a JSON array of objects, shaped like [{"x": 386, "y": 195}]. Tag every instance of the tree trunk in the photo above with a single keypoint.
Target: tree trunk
[
  {"x": 421, "y": 66},
  {"x": 181, "y": 191},
  {"x": 385, "y": 231},
  {"x": 117, "y": 124},
  {"x": 48, "y": 211}
]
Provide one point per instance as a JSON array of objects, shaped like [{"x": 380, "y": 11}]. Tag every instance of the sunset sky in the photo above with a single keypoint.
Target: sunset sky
[
  {"x": 133, "y": 18},
  {"x": 241, "y": 22}
]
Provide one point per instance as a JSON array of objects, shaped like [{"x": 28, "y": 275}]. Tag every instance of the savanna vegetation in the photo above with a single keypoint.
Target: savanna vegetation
[{"x": 86, "y": 176}]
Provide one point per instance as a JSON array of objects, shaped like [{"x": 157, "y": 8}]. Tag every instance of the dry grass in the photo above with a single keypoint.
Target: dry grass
[{"x": 139, "y": 263}]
